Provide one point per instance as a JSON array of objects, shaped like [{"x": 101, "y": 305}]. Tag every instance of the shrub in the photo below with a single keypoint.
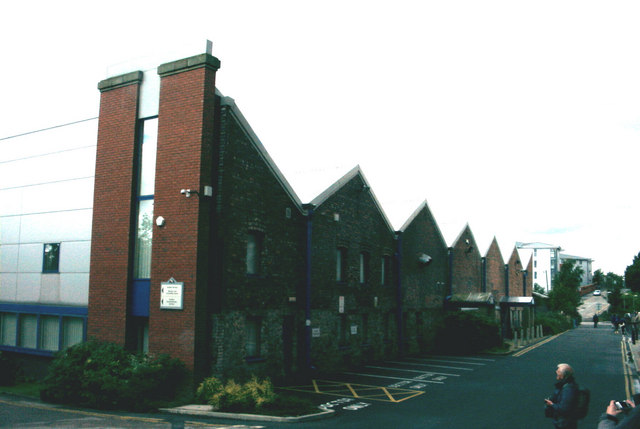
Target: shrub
[
  {"x": 232, "y": 396},
  {"x": 553, "y": 323},
  {"x": 105, "y": 376},
  {"x": 467, "y": 332}
]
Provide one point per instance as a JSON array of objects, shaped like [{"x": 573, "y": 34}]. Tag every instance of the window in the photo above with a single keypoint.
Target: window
[
  {"x": 341, "y": 264},
  {"x": 72, "y": 331},
  {"x": 385, "y": 270},
  {"x": 254, "y": 252},
  {"x": 8, "y": 329},
  {"x": 144, "y": 240},
  {"x": 28, "y": 327},
  {"x": 252, "y": 329},
  {"x": 51, "y": 258},
  {"x": 364, "y": 268},
  {"x": 49, "y": 333}
]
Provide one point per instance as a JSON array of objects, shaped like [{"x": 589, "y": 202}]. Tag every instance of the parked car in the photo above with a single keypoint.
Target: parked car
[{"x": 597, "y": 292}]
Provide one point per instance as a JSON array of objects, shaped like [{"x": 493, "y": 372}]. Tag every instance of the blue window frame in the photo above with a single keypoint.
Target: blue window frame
[{"x": 39, "y": 329}]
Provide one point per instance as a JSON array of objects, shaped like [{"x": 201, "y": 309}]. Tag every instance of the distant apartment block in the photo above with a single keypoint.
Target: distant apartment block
[
  {"x": 546, "y": 262},
  {"x": 582, "y": 263}
]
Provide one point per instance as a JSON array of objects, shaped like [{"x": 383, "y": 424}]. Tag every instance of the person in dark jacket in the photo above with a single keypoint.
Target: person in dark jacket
[
  {"x": 611, "y": 418},
  {"x": 562, "y": 403}
]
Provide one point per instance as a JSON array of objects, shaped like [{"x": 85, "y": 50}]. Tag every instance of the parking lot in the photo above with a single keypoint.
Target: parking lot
[{"x": 392, "y": 381}]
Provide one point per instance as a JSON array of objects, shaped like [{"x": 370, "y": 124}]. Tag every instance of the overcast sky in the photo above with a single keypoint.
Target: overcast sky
[{"x": 521, "y": 119}]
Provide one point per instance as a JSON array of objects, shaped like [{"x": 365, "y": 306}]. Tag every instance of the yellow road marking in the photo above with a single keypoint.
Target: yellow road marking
[
  {"x": 536, "y": 345},
  {"x": 361, "y": 391},
  {"x": 355, "y": 395}
]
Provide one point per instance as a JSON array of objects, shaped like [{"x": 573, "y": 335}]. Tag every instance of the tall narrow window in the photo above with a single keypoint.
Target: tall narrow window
[
  {"x": 51, "y": 258},
  {"x": 146, "y": 186},
  {"x": 254, "y": 252},
  {"x": 364, "y": 267},
  {"x": 341, "y": 264},
  {"x": 385, "y": 270},
  {"x": 252, "y": 330}
]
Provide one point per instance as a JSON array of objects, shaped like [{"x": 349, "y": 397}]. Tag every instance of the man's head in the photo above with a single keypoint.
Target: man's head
[{"x": 564, "y": 371}]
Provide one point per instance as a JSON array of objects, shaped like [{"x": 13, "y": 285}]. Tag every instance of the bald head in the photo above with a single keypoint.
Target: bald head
[{"x": 564, "y": 371}]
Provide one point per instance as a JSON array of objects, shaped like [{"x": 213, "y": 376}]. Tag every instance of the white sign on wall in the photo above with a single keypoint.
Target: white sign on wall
[{"x": 171, "y": 295}]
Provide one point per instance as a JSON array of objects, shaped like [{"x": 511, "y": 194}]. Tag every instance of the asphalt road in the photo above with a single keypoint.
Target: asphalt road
[{"x": 484, "y": 391}]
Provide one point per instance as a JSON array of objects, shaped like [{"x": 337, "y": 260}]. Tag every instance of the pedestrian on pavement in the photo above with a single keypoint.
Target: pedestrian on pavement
[
  {"x": 595, "y": 320},
  {"x": 613, "y": 417},
  {"x": 561, "y": 405},
  {"x": 635, "y": 320},
  {"x": 615, "y": 322}
]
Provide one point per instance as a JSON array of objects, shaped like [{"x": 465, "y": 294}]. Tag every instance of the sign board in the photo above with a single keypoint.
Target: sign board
[
  {"x": 315, "y": 332},
  {"x": 171, "y": 295},
  {"x": 354, "y": 329},
  {"x": 341, "y": 304}
]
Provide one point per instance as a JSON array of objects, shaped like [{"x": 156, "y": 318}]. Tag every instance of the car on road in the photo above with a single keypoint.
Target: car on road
[{"x": 597, "y": 292}]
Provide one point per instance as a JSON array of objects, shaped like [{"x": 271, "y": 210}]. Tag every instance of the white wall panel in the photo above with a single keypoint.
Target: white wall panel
[
  {"x": 51, "y": 140},
  {"x": 50, "y": 289},
  {"x": 74, "y": 289},
  {"x": 30, "y": 258},
  {"x": 9, "y": 258},
  {"x": 9, "y": 230},
  {"x": 10, "y": 201},
  {"x": 57, "y": 227},
  {"x": 75, "y": 256},
  {"x": 59, "y": 196},
  {"x": 29, "y": 287},
  {"x": 8, "y": 286},
  {"x": 53, "y": 167}
]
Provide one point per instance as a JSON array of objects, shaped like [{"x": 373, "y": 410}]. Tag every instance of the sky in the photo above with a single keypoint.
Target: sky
[{"x": 519, "y": 118}]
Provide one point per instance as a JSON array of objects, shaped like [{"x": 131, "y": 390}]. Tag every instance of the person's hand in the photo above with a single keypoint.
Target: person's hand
[
  {"x": 548, "y": 402},
  {"x": 612, "y": 410}
]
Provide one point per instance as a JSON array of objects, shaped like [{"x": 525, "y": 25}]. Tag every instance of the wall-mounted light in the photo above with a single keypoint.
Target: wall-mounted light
[
  {"x": 207, "y": 192},
  {"x": 424, "y": 259},
  {"x": 160, "y": 221}
]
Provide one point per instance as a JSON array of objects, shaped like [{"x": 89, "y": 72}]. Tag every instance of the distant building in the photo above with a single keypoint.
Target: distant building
[
  {"x": 546, "y": 262},
  {"x": 583, "y": 263}
]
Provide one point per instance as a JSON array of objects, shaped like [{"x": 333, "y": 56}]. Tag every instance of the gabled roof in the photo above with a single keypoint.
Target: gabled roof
[
  {"x": 422, "y": 207},
  {"x": 493, "y": 243},
  {"x": 237, "y": 114},
  {"x": 331, "y": 190},
  {"x": 466, "y": 227}
]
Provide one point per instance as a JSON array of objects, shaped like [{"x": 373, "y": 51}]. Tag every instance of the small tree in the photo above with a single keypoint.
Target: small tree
[
  {"x": 564, "y": 296},
  {"x": 598, "y": 279},
  {"x": 632, "y": 274}
]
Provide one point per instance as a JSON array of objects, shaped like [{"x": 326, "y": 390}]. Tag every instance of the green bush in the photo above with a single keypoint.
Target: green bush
[
  {"x": 465, "y": 332},
  {"x": 232, "y": 396},
  {"x": 105, "y": 376},
  {"x": 553, "y": 323}
]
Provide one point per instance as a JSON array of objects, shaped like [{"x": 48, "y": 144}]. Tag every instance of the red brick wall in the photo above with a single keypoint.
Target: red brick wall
[
  {"x": 467, "y": 264},
  {"x": 185, "y": 145},
  {"x": 424, "y": 285},
  {"x": 516, "y": 275},
  {"x": 495, "y": 275},
  {"x": 112, "y": 221}
]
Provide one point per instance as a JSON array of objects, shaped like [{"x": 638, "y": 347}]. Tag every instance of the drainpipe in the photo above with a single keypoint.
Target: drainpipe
[
  {"x": 524, "y": 282},
  {"x": 506, "y": 280},
  {"x": 307, "y": 303},
  {"x": 399, "y": 292},
  {"x": 450, "y": 271},
  {"x": 484, "y": 274}
]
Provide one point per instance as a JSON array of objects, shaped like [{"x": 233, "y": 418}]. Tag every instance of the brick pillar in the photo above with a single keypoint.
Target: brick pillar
[
  {"x": 112, "y": 208},
  {"x": 181, "y": 247}
]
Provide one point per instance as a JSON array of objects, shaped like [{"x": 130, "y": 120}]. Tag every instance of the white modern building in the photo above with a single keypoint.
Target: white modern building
[
  {"x": 582, "y": 263},
  {"x": 46, "y": 200},
  {"x": 546, "y": 261}
]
